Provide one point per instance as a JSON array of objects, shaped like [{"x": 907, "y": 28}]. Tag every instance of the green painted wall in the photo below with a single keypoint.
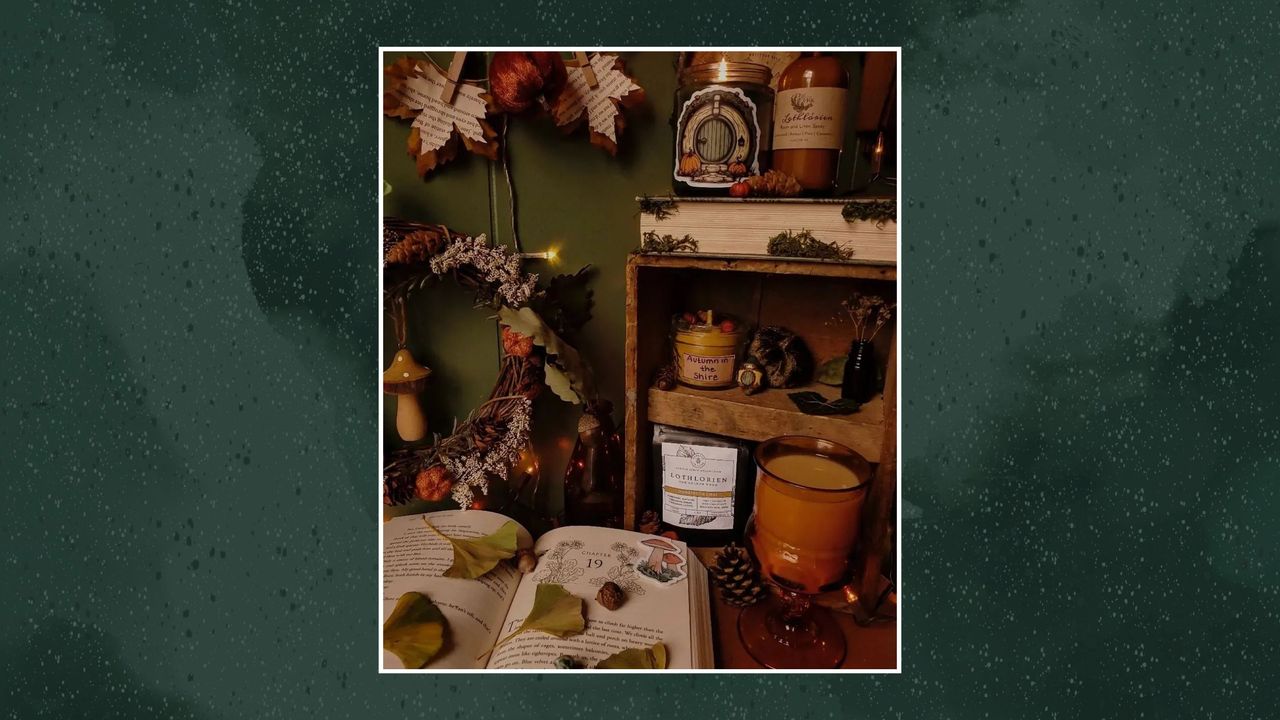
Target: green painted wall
[{"x": 571, "y": 196}]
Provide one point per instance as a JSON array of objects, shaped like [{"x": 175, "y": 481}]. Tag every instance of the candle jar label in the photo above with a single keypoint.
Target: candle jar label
[
  {"x": 707, "y": 370},
  {"x": 698, "y": 485},
  {"x": 809, "y": 118}
]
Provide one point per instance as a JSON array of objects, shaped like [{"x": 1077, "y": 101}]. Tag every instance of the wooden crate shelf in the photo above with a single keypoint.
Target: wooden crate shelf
[
  {"x": 801, "y": 295},
  {"x": 768, "y": 414}
]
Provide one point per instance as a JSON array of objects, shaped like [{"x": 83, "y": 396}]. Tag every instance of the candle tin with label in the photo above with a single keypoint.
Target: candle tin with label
[
  {"x": 707, "y": 347},
  {"x": 723, "y": 122}
]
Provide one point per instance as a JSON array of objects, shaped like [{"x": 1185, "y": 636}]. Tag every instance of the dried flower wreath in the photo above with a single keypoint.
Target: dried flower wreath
[{"x": 484, "y": 446}]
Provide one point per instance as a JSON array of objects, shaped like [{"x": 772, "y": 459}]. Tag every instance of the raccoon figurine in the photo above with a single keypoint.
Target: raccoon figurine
[{"x": 785, "y": 358}]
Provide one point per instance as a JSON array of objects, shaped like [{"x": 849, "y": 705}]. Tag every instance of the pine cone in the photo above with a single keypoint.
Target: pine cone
[
  {"x": 414, "y": 247},
  {"x": 737, "y": 577},
  {"x": 665, "y": 378},
  {"x": 399, "y": 479},
  {"x": 649, "y": 523},
  {"x": 773, "y": 183},
  {"x": 485, "y": 431}
]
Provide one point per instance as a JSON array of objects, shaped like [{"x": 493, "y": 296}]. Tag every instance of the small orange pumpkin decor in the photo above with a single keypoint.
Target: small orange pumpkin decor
[
  {"x": 737, "y": 168},
  {"x": 690, "y": 164},
  {"x": 739, "y": 190}
]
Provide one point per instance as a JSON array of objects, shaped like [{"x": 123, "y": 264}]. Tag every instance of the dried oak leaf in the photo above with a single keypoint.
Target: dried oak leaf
[
  {"x": 411, "y": 91},
  {"x": 601, "y": 107}
]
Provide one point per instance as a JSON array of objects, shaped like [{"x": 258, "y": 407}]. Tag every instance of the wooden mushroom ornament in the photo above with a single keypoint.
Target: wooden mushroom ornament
[{"x": 405, "y": 378}]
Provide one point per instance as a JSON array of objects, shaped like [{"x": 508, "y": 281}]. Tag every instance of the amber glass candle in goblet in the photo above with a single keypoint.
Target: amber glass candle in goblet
[{"x": 808, "y": 503}]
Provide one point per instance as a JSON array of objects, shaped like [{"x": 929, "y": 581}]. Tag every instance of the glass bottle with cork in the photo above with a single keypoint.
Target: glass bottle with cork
[
  {"x": 593, "y": 479},
  {"x": 809, "y": 120}
]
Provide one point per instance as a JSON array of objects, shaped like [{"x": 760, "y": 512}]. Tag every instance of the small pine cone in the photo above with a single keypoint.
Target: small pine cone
[
  {"x": 665, "y": 378},
  {"x": 414, "y": 247},
  {"x": 397, "y": 488},
  {"x": 649, "y": 523},
  {"x": 737, "y": 577},
  {"x": 484, "y": 432},
  {"x": 611, "y": 596},
  {"x": 773, "y": 183}
]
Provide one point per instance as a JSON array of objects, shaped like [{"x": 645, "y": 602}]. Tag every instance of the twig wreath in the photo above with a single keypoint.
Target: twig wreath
[{"x": 483, "y": 446}]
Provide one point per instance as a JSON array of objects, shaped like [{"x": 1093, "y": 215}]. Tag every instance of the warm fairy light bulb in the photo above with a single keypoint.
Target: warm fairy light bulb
[
  {"x": 724, "y": 69},
  {"x": 879, "y": 144},
  {"x": 549, "y": 255}
]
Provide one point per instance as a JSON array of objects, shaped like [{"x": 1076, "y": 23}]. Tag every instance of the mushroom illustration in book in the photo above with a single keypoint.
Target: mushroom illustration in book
[{"x": 665, "y": 563}]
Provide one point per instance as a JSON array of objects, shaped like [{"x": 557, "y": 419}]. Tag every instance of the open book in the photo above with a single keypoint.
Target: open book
[{"x": 481, "y": 612}]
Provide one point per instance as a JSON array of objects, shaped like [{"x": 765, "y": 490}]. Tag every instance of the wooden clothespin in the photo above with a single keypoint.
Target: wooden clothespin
[
  {"x": 451, "y": 80},
  {"x": 588, "y": 73}
]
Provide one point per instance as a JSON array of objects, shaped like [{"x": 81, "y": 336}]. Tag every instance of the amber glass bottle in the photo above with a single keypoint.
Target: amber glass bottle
[
  {"x": 808, "y": 120},
  {"x": 593, "y": 479}
]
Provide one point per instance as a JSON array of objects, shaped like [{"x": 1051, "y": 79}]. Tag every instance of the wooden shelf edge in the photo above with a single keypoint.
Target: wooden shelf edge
[
  {"x": 731, "y": 413},
  {"x": 767, "y": 201},
  {"x": 867, "y": 270}
]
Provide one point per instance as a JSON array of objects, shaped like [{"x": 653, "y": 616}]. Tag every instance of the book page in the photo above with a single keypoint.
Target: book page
[
  {"x": 414, "y": 557},
  {"x": 582, "y": 559}
]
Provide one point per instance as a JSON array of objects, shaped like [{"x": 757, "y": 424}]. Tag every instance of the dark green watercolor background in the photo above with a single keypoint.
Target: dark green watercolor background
[{"x": 1090, "y": 354}]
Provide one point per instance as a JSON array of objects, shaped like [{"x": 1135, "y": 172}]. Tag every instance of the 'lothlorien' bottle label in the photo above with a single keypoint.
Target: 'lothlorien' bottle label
[
  {"x": 698, "y": 485},
  {"x": 809, "y": 119}
]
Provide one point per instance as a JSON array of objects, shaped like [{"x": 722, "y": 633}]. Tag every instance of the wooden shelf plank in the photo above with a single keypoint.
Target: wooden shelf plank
[
  {"x": 775, "y": 266},
  {"x": 768, "y": 414}
]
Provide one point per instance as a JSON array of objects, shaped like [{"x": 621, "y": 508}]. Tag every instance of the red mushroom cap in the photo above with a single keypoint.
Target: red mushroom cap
[
  {"x": 672, "y": 559},
  {"x": 658, "y": 543}
]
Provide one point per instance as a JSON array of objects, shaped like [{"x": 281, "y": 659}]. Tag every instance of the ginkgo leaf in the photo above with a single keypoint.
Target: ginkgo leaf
[
  {"x": 566, "y": 378},
  {"x": 652, "y": 658},
  {"x": 473, "y": 557},
  {"x": 555, "y": 611},
  {"x": 415, "y": 630}
]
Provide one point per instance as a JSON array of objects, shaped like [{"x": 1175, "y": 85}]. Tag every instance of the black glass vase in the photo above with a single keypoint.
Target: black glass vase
[{"x": 859, "y": 375}]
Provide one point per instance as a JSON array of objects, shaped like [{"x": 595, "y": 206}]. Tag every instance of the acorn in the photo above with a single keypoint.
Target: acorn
[{"x": 526, "y": 561}]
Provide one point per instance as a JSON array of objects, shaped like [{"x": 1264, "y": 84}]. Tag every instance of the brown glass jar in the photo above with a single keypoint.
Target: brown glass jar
[
  {"x": 723, "y": 113},
  {"x": 808, "y": 120}
]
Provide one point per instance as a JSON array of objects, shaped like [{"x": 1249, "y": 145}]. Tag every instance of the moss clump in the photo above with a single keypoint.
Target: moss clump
[{"x": 804, "y": 245}]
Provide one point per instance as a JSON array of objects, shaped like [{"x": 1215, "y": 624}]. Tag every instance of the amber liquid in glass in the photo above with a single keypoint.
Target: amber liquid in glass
[
  {"x": 812, "y": 162},
  {"x": 805, "y": 527}
]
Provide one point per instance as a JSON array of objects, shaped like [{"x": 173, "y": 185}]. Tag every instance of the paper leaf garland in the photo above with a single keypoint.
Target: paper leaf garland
[
  {"x": 411, "y": 90},
  {"x": 473, "y": 557},
  {"x": 414, "y": 631},
  {"x": 601, "y": 107}
]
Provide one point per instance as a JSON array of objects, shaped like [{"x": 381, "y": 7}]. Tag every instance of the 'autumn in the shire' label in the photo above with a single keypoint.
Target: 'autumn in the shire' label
[{"x": 706, "y": 369}]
